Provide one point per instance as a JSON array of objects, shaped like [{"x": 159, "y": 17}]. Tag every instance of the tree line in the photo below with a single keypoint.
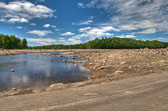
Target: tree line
[
  {"x": 12, "y": 42},
  {"x": 110, "y": 43}
]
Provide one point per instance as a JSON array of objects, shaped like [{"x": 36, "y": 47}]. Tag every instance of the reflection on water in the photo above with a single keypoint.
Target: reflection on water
[{"x": 38, "y": 70}]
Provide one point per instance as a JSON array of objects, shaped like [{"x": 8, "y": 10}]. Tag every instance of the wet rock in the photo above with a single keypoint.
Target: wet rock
[
  {"x": 12, "y": 70},
  {"x": 75, "y": 57},
  {"x": 73, "y": 62},
  {"x": 76, "y": 65},
  {"x": 39, "y": 76},
  {"x": 64, "y": 60}
]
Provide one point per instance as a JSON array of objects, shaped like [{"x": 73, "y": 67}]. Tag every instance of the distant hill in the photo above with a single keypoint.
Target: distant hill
[
  {"x": 12, "y": 42},
  {"x": 110, "y": 43}
]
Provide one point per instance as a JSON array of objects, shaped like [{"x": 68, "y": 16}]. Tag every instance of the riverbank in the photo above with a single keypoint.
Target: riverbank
[
  {"x": 109, "y": 65},
  {"x": 147, "y": 92},
  {"x": 119, "y": 64},
  {"x": 24, "y": 51}
]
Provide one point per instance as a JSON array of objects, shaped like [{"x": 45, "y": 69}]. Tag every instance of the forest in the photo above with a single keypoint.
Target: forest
[
  {"x": 12, "y": 42},
  {"x": 110, "y": 43}
]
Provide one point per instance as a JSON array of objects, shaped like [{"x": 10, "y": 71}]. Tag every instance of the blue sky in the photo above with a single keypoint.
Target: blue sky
[{"x": 45, "y": 22}]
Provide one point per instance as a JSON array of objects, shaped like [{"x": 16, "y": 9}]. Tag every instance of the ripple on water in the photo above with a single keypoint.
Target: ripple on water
[{"x": 39, "y": 70}]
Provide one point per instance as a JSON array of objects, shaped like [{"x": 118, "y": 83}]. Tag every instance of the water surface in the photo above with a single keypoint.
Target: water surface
[{"x": 38, "y": 70}]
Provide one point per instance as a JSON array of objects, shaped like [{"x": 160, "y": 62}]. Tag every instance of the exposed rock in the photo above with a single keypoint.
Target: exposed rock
[
  {"x": 162, "y": 61},
  {"x": 90, "y": 94},
  {"x": 75, "y": 64},
  {"x": 13, "y": 89},
  {"x": 109, "y": 75},
  {"x": 75, "y": 57},
  {"x": 56, "y": 86},
  {"x": 67, "y": 53},
  {"x": 64, "y": 60},
  {"x": 12, "y": 70},
  {"x": 102, "y": 67},
  {"x": 119, "y": 72},
  {"x": 90, "y": 77},
  {"x": 122, "y": 63}
]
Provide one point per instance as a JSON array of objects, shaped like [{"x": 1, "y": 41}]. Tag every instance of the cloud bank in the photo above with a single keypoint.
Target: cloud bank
[
  {"x": 23, "y": 11},
  {"x": 135, "y": 14},
  {"x": 40, "y": 32}
]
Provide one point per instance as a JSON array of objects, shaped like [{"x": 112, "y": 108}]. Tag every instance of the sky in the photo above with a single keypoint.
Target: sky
[{"x": 46, "y": 22}]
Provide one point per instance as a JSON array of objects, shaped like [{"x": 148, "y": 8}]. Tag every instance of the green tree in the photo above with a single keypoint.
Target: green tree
[
  {"x": 24, "y": 43},
  {"x": 12, "y": 42}
]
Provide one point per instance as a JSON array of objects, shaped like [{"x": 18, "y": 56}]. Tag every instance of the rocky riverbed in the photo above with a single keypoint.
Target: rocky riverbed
[
  {"x": 126, "y": 63},
  {"x": 112, "y": 64},
  {"x": 23, "y": 51},
  {"x": 4, "y": 52}
]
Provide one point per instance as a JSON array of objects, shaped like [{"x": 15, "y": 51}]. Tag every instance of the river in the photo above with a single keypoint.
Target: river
[{"x": 38, "y": 70}]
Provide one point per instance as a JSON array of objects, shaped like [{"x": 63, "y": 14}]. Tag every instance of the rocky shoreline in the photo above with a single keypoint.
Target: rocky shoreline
[
  {"x": 4, "y": 52},
  {"x": 125, "y": 63},
  {"x": 24, "y": 51},
  {"x": 108, "y": 65}
]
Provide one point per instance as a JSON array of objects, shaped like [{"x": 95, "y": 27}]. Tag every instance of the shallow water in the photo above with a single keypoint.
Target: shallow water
[{"x": 38, "y": 70}]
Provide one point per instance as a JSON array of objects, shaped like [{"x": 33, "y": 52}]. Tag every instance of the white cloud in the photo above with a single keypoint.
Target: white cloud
[
  {"x": 22, "y": 20},
  {"x": 127, "y": 36},
  {"x": 74, "y": 41},
  {"x": 68, "y": 41},
  {"x": 95, "y": 32},
  {"x": 91, "y": 17},
  {"x": 148, "y": 31},
  {"x": 144, "y": 24},
  {"x": 83, "y": 22},
  {"x": 67, "y": 34},
  {"x": 164, "y": 39},
  {"x": 19, "y": 27},
  {"x": 81, "y": 5},
  {"x": 57, "y": 30},
  {"x": 135, "y": 14},
  {"x": 127, "y": 27},
  {"x": 42, "y": 41},
  {"x": 46, "y": 25},
  {"x": 41, "y": 0},
  {"x": 49, "y": 25},
  {"x": 53, "y": 26},
  {"x": 49, "y": 41},
  {"x": 84, "y": 29},
  {"x": 86, "y": 22},
  {"x": 109, "y": 28},
  {"x": 33, "y": 24},
  {"x": 23, "y": 11},
  {"x": 40, "y": 32},
  {"x": 61, "y": 38},
  {"x": 2, "y": 20}
]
